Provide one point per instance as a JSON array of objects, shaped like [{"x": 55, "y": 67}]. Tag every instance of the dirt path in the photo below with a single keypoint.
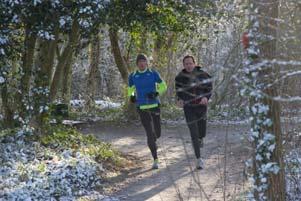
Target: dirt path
[{"x": 177, "y": 178}]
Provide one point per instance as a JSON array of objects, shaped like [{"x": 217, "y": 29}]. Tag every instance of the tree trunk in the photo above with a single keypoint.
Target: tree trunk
[
  {"x": 268, "y": 14},
  {"x": 276, "y": 190},
  {"x": 268, "y": 26},
  {"x": 51, "y": 57},
  {"x": 8, "y": 112},
  {"x": 59, "y": 69},
  {"x": 67, "y": 79},
  {"x": 119, "y": 60},
  {"x": 42, "y": 72},
  {"x": 27, "y": 68},
  {"x": 63, "y": 60},
  {"x": 41, "y": 85},
  {"x": 158, "y": 44},
  {"x": 143, "y": 41},
  {"x": 170, "y": 65},
  {"x": 93, "y": 70},
  {"x": 43, "y": 67},
  {"x": 129, "y": 109},
  {"x": 67, "y": 82},
  {"x": 45, "y": 60},
  {"x": 27, "y": 60}
]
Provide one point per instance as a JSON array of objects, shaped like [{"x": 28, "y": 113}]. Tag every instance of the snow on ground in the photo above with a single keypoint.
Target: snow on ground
[
  {"x": 77, "y": 103},
  {"x": 101, "y": 103},
  {"x": 226, "y": 121},
  {"x": 107, "y": 104},
  {"x": 296, "y": 119},
  {"x": 293, "y": 174},
  {"x": 182, "y": 121},
  {"x": 30, "y": 171},
  {"x": 229, "y": 122}
]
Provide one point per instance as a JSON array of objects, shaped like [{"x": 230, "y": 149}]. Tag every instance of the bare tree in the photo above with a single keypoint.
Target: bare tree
[
  {"x": 93, "y": 70},
  {"x": 64, "y": 59},
  {"x": 119, "y": 60},
  {"x": 267, "y": 14}
]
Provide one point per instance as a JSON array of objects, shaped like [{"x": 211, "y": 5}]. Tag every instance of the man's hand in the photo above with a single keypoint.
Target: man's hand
[
  {"x": 180, "y": 103},
  {"x": 204, "y": 101}
]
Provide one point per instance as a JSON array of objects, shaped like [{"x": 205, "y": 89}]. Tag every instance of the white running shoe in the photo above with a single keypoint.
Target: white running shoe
[
  {"x": 155, "y": 164},
  {"x": 199, "y": 164}
]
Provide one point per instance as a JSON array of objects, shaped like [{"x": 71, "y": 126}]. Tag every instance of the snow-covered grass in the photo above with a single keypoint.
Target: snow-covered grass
[
  {"x": 103, "y": 110},
  {"x": 104, "y": 115},
  {"x": 61, "y": 165},
  {"x": 107, "y": 104},
  {"x": 100, "y": 103}
]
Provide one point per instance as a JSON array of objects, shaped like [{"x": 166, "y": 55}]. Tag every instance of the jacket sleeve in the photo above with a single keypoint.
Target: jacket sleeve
[
  {"x": 131, "y": 87},
  {"x": 161, "y": 85}
]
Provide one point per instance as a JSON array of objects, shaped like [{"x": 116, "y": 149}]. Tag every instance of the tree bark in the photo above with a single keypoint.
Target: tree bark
[
  {"x": 59, "y": 69},
  {"x": 45, "y": 59},
  {"x": 93, "y": 70},
  {"x": 170, "y": 65},
  {"x": 119, "y": 60},
  {"x": 268, "y": 13},
  {"x": 42, "y": 72},
  {"x": 63, "y": 60},
  {"x": 158, "y": 44},
  {"x": 276, "y": 190},
  {"x": 8, "y": 112},
  {"x": 28, "y": 60},
  {"x": 67, "y": 82},
  {"x": 143, "y": 41}
]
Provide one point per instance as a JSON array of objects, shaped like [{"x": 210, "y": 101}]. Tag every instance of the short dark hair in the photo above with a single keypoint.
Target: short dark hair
[
  {"x": 187, "y": 57},
  {"x": 140, "y": 57}
]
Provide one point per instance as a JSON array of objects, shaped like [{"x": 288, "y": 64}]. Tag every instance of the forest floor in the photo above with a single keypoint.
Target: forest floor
[{"x": 177, "y": 177}]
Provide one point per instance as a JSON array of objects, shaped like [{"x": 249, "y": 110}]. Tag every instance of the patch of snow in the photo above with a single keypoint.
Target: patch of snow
[
  {"x": 71, "y": 122},
  {"x": 62, "y": 22},
  {"x": 46, "y": 35},
  {"x": 2, "y": 80},
  {"x": 3, "y": 41},
  {"x": 36, "y": 2},
  {"x": 2, "y": 51},
  {"x": 182, "y": 121},
  {"x": 296, "y": 119},
  {"x": 229, "y": 122},
  {"x": 101, "y": 103},
  {"x": 107, "y": 104},
  {"x": 30, "y": 171},
  {"x": 77, "y": 103}
]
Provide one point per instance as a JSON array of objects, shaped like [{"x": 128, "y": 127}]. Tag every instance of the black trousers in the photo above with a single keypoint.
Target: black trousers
[
  {"x": 196, "y": 118},
  {"x": 151, "y": 121}
]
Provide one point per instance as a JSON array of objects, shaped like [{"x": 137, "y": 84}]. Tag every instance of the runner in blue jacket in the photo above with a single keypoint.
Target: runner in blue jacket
[{"x": 144, "y": 88}]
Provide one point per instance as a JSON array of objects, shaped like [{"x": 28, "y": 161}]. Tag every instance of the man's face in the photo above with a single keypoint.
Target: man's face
[
  {"x": 189, "y": 64},
  {"x": 142, "y": 64}
]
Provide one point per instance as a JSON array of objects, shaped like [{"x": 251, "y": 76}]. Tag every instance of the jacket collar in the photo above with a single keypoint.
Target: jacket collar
[{"x": 196, "y": 68}]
